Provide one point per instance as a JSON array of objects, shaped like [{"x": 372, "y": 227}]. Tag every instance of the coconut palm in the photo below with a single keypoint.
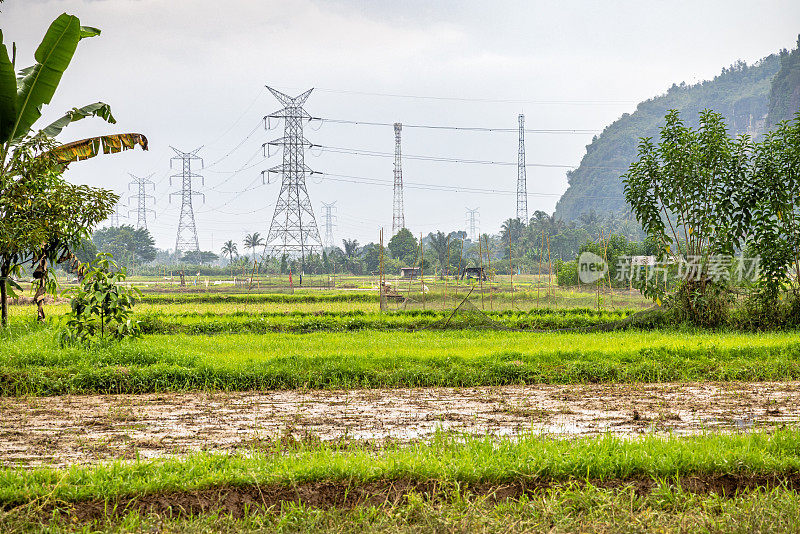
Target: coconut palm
[
  {"x": 251, "y": 241},
  {"x": 229, "y": 249},
  {"x": 439, "y": 242}
]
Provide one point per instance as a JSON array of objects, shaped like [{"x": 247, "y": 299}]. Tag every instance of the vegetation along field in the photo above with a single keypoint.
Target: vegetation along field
[{"x": 628, "y": 361}]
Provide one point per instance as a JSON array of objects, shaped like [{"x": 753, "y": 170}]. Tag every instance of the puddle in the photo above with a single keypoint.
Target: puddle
[{"x": 84, "y": 429}]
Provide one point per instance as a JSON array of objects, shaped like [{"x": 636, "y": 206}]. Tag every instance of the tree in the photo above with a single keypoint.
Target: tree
[
  {"x": 403, "y": 246},
  {"x": 126, "y": 243},
  {"x": 350, "y": 248},
  {"x": 199, "y": 257},
  {"x": 511, "y": 234},
  {"x": 776, "y": 217},
  {"x": 252, "y": 241},
  {"x": 687, "y": 193},
  {"x": 26, "y": 234},
  {"x": 439, "y": 243},
  {"x": 229, "y": 249},
  {"x": 42, "y": 217},
  {"x": 103, "y": 306}
]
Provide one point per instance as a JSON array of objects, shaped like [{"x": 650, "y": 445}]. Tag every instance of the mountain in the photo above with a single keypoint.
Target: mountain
[
  {"x": 750, "y": 97},
  {"x": 784, "y": 97}
]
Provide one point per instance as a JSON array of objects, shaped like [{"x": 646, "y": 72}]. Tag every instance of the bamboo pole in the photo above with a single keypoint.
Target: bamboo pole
[
  {"x": 422, "y": 268},
  {"x": 489, "y": 267},
  {"x": 549, "y": 268},
  {"x": 447, "y": 270},
  {"x": 511, "y": 270},
  {"x": 480, "y": 274},
  {"x": 539, "y": 276}
]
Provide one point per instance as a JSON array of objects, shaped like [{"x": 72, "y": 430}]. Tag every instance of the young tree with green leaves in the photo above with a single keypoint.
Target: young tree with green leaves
[
  {"x": 688, "y": 192},
  {"x": 775, "y": 190},
  {"x": 403, "y": 246},
  {"x": 103, "y": 306}
]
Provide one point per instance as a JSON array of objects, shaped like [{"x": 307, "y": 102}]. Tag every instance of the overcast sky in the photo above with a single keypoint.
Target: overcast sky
[{"x": 188, "y": 73}]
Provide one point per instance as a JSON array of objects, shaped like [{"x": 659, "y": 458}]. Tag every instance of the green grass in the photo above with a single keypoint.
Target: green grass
[
  {"x": 32, "y": 362},
  {"x": 447, "y": 459},
  {"x": 589, "y": 483},
  {"x": 570, "y": 509}
]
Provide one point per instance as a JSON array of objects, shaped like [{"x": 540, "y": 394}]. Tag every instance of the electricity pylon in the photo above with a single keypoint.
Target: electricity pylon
[
  {"x": 398, "y": 215},
  {"x": 330, "y": 224},
  {"x": 473, "y": 220},
  {"x": 522, "y": 182},
  {"x": 293, "y": 230},
  {"x": 187, "y": 231},
  {"x": 141, "y": 199}
]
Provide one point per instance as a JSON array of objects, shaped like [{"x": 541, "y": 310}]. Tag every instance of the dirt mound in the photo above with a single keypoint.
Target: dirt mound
[{"x": 237, "y": 500}]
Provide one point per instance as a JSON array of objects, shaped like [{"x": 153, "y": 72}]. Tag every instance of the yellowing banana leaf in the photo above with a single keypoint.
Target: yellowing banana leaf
[{"x": 89, "y": 148}]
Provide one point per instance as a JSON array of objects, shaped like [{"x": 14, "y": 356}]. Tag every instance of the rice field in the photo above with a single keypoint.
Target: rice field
[{"x": 249, "y": 410}]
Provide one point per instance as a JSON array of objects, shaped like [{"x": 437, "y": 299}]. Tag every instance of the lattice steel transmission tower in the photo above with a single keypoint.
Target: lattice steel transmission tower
[
  {"x": 522, "y": 181},
  {"x": 330, "y": 224},
  {"x": 113, "y": 219},
  {"x": 187, "y": 231},
  {"x": 293, "y": 230},
  {"x": 398, "y": 215},
  {"x": 473, "y": 222},
  {"x": 141, "y": 197}
]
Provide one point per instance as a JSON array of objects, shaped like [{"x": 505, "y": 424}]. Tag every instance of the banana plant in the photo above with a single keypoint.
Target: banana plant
[
  {"x": 23, "y": 94},
  {"x": 35, "y": 237}
]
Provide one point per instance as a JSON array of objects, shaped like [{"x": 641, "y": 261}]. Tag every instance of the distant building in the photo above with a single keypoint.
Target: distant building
[
  {"x": 410, "y": 272},
  {"x": 477, "y": 273}
]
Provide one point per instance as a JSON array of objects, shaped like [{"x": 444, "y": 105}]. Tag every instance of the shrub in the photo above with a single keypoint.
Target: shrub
[{"x": 102, "y": 306}]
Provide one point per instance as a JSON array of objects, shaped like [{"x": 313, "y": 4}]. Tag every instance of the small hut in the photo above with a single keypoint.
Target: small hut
[{"x": 478, "y": 273}]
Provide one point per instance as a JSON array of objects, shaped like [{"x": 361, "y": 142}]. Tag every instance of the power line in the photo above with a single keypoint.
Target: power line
[
  {"x": 444, "y": 159},
  {"x": 467, "y": 99},
  {"x": 438, "y": 187},
  {"x": 461, "y": 128}
]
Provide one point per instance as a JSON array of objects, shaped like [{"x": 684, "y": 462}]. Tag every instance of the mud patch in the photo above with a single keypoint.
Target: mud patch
[{"x": 83, "y": 429}]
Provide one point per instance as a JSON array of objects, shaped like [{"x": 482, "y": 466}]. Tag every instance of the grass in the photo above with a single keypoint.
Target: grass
[
  {"x": 606, "y": 481},
  {"x": 32, "y": 362},
  {"x": 571, "y": 509},
  {"x": 447, "y": 459}
]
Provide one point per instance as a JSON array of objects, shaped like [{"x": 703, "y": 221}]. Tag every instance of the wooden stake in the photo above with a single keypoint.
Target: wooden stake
[
  {"x": 447, "y": 270},
  {"x": 422, "y": 268},
  {"x": 480, "y": 274}
]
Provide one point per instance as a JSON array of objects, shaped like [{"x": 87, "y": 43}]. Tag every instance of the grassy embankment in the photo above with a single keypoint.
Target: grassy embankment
[{"x": 739, "y": 482}]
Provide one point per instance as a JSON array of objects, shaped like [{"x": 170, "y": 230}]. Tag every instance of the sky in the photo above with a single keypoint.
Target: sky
[{"x": 192, "y": 73}]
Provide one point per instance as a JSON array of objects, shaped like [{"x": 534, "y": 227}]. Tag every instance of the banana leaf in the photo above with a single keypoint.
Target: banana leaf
[
  {"x": 98, "y": 109},
  {"x": 38, "y": 83},
  {"x": 89, "y": 148},
  {"x": 8, "y": 93}
]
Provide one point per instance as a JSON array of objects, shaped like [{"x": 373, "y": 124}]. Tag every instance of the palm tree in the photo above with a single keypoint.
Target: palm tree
[
  {"x": 350, "y": 248},
  {"x": 252, "y": 241},
  {"x": 439, "y": 242},
  {"x": 229, "y": 249}
]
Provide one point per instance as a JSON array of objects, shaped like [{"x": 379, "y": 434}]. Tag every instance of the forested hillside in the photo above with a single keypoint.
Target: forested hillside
[
  {"x": 741, "y": 93},
  {"x": 784, "y": 98}
]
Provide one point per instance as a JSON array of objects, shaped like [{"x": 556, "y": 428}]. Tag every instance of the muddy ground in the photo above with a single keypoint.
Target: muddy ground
[{"x": 84, "y": 429}]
